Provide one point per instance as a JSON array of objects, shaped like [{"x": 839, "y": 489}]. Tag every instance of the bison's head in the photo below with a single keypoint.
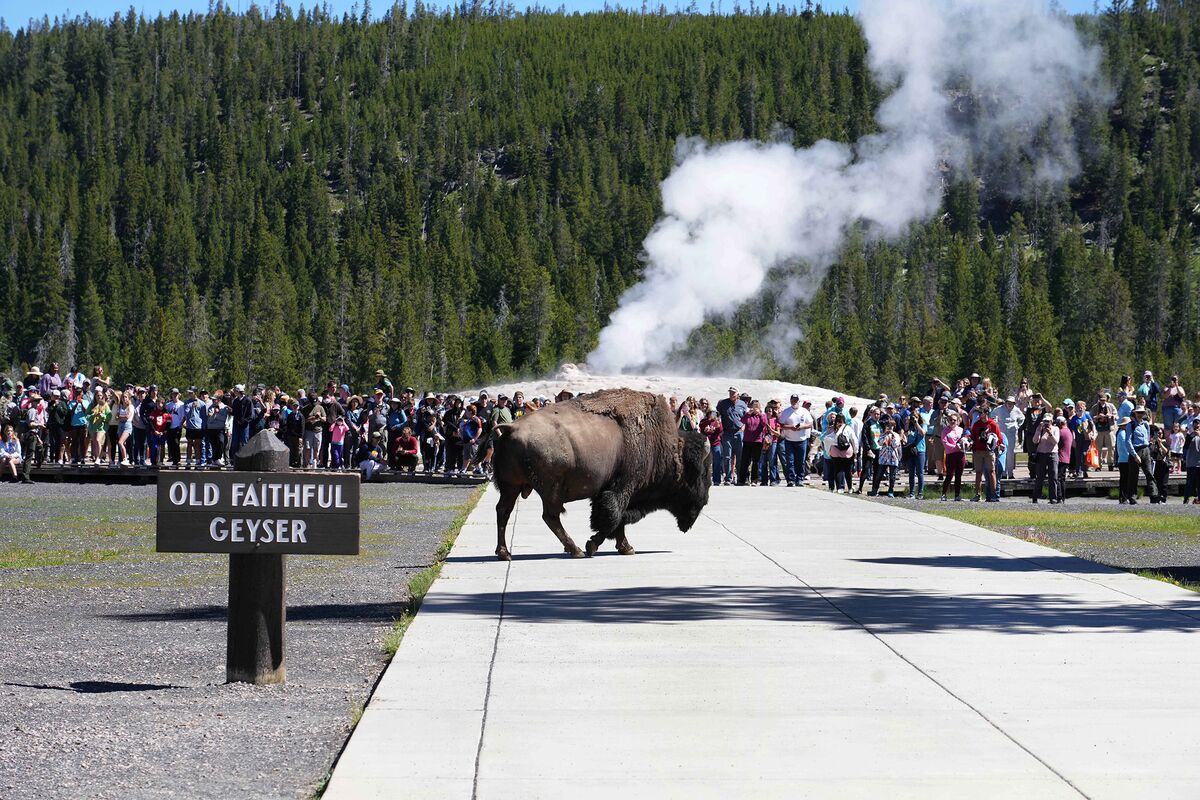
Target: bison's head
[{"x": 697, "y": 478}]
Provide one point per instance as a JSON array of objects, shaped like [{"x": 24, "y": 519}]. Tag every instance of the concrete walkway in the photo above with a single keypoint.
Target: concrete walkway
[{"x": 794, "y": 644}]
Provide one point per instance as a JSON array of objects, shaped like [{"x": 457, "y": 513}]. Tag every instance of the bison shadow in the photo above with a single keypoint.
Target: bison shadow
[{"x": 488, "y": 559}]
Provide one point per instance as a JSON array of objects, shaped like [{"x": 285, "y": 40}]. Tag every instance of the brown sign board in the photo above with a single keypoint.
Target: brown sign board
[{"x": 258, "y": 512}]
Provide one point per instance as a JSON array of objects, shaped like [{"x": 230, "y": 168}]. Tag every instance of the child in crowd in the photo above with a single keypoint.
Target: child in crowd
[
  {"x": 1176, "y": 441},
  {"x": 337, "y": 439}
]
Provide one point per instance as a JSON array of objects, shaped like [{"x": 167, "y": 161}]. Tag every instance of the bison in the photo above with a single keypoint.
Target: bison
[{"x": 620, "y": 448}]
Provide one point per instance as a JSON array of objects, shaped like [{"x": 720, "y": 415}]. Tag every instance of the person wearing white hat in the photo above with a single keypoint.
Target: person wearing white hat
[{"x": 1010, "y": 419}]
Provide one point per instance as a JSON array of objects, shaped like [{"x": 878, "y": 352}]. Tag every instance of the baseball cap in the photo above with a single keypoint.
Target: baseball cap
[
  {"x": 733, "y": 389},
  {"x": 1010, "y": 399},
  {"x": 1068, "y": 402},
  {"x": 1060, "y": 419},
  {"x": 241, "y": 387},
  {"x": 380, "y": 373},
  {"x": 795, "y": 397}
]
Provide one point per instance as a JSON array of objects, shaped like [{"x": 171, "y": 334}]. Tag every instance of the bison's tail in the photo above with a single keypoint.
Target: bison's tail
[{"x": 505, "y": 472}]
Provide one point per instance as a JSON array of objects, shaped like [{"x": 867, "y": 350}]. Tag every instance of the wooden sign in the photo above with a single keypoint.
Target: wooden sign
[{"x": 259, "y": 512}]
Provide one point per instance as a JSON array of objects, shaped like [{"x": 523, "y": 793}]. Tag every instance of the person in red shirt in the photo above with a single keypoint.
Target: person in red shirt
[
  {"x": 160, "y": 422},
  {"x": 986, "y": 442},
  {"x": 404, "y": 450}
]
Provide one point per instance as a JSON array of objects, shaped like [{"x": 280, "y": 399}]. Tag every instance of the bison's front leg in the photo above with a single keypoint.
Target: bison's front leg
[{"x": 593, "y": 544}]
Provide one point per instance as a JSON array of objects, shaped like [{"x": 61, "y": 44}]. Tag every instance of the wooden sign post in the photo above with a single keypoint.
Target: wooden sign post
[{"x": 258, "y": 514}]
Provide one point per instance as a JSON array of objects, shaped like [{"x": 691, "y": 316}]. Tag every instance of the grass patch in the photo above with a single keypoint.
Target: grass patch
[
  {"x": 1074, "y": 521},
  {"x": 1153, "y": 574},
  {"x": 23, "y": 558},
  {"x": 418, "y": 584}
]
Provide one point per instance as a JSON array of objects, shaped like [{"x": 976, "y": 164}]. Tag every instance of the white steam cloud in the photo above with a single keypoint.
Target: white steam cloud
[{"x": 734, "y": 212}]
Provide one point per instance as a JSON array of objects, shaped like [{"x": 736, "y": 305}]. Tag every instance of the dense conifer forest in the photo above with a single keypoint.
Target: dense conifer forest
[{"x": 461, "y": 196}]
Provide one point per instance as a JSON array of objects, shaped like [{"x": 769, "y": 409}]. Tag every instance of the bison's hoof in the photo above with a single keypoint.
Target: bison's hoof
[
  {"x": 502, "y": 554},
  {"x": 591, "y": 548},
  {"x": 576, "y": 553},
  {"x": 626, "y": 550}
]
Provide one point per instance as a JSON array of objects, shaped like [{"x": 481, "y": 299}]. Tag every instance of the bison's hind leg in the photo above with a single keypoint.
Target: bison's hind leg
[
  {"x": 504, "y": 507},
  {"x": 552, "y": 510}
]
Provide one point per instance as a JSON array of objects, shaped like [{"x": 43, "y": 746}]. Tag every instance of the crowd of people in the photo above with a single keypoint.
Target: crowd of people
[
  {"x": 78, "y": 419},
  {"x": 1141, "y": 430}
]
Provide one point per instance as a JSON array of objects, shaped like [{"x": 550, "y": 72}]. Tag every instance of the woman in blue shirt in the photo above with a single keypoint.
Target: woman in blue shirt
[
  {"x": 914, "y": 440},
  {"x": 1126, "y": 466}
]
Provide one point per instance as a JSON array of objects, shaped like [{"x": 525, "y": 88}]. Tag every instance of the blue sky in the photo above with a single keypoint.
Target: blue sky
[{"x": 17, "y": 12}]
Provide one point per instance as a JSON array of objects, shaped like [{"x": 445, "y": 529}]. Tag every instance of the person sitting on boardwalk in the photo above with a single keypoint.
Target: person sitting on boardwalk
[{"x": 10, "y": 451}]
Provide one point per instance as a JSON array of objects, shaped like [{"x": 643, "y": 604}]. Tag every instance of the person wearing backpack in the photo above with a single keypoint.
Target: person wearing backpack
[
  {"x": 840, "y": 447},
  {"x": 985, "y": 439}
]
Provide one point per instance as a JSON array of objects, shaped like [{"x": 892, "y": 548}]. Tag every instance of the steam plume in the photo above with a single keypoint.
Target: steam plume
[{"x": 733, "y": 212}]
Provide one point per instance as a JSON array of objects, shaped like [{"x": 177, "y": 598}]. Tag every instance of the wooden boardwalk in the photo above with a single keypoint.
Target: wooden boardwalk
[{"x": 92, "y": 473}]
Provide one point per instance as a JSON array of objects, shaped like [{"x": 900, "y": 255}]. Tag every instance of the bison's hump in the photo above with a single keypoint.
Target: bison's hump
[{"x": 629, "y": 408}]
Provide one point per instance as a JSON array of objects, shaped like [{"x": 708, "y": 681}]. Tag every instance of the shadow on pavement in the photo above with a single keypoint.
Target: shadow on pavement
[
  {"x": 884, "y": 611},
  {"x": 1000, "y": 563}
]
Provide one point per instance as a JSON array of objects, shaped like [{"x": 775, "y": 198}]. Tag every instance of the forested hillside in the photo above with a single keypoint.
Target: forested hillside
[{"x": 460, "y": 197}]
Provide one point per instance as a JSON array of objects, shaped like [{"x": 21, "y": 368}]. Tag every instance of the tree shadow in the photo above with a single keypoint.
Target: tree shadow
[
  {"x": 1000, "y": 563},
  {"x": 882, "y": 610}
]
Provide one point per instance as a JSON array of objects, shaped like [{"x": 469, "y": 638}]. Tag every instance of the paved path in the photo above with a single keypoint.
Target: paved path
[{"x": 794, "y": 644}]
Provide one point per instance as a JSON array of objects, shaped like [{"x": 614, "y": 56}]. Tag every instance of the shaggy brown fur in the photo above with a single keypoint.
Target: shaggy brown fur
[{"x": 620, "y": 448}]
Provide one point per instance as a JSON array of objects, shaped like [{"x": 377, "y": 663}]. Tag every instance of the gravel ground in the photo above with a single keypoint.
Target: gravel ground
[
  {"x": 113, "y": 666},
  {"x": 1173, "y": 549}
]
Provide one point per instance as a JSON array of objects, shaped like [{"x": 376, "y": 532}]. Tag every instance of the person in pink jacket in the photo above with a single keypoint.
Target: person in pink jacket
[
  {"x": 755, "y": 431},
  {"x": 953, "y": 437}
]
